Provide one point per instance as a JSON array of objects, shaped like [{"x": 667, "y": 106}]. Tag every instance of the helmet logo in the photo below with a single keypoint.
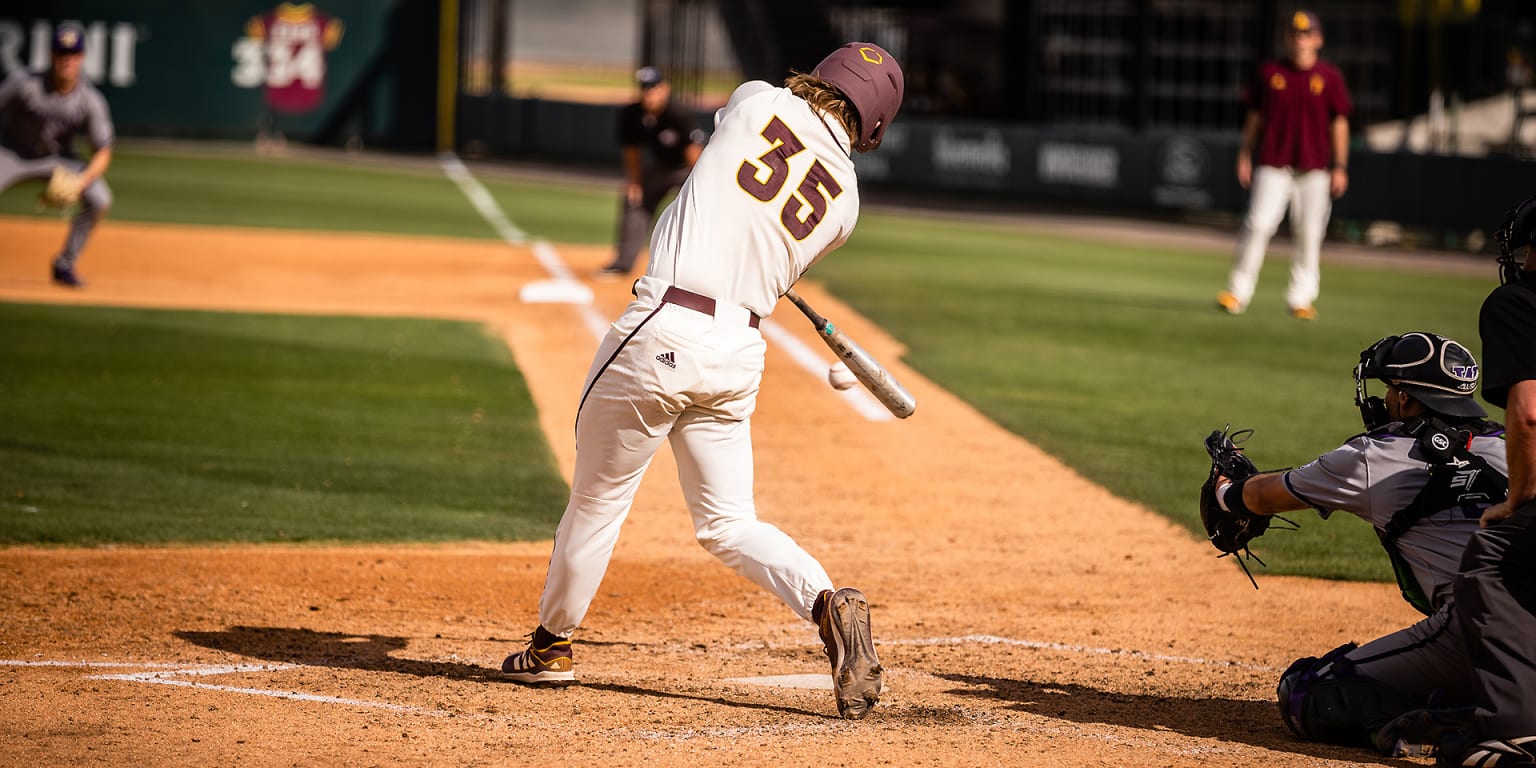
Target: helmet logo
[
  {"x": 1468, "y": 372},
  {"x": 871, "y": 55}
]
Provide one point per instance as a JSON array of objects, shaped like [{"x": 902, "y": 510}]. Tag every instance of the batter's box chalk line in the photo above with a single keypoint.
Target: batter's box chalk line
[{"x": 173, "y": 674}]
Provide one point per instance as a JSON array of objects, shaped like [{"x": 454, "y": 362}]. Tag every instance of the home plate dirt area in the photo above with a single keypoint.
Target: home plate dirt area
[{"x": 1024, "y": 615}]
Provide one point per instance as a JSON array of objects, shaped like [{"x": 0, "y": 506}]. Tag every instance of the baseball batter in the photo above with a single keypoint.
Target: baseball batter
[
  {"x": 41, "y": 114},
  {"x": 1421, "y": 476},
  {"x": 1298, "y": 120},
  {"x": 773, "y": 192}
]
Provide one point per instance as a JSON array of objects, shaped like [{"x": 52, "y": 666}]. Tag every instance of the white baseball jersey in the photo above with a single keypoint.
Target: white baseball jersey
[{"x": 774, "y": 151}]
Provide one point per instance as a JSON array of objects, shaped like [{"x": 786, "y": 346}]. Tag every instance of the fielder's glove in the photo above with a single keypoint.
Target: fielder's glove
[
  {"x": 1230, "y": 525},
  {"x": 63, "y": 190}
]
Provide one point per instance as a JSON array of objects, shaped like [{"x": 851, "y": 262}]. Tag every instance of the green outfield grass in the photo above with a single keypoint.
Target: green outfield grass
[
  {"x": 1109, "y": 355},
  {"x": 151, "y": 426},
  {"x": 1113, "y": 357},
  {"x": 245, "y": 190}
]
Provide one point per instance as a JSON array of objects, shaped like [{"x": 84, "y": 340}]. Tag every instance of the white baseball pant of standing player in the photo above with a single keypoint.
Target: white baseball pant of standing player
[
  {"x": 774, "y": 191},
  {"x": 1307, "y": 195}
]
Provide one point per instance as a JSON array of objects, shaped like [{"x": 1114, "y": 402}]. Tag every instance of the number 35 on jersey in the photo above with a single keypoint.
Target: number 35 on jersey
[{"x": 768, "y": 175}]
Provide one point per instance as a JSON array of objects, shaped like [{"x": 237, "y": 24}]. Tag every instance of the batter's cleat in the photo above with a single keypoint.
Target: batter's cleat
[
  {"x": 611, "y": 272},
  {"x": 1422, "y": 732},
  {"x": 842, "y": 619},
  {"x": 547, "y": 661},
  {"x": 1304, "y": 313},
  {"x": 1229, "y": 303},
  {"x": 66, "y": 277},
  {"x": 1492, "y": 753}
]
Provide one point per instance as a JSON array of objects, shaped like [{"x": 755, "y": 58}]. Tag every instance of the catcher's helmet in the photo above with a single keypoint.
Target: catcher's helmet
[
  {"x": 1438, "y": 372},
  {"x": 1519, "y": 229},
  {"x": 872, "y": 81}
]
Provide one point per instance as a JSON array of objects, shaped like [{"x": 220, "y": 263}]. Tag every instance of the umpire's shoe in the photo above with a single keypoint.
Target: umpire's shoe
[
  {"x": 1491, "y": 753},
  {"x": 842, "y": 618},
  {"x": 546, "y": 661}
]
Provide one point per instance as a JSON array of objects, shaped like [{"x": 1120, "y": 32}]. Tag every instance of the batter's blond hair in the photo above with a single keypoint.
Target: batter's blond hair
[{"x": 826, "y": 98}]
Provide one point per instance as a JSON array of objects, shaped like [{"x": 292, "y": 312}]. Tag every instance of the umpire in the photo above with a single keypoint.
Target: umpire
[
  {"x": 659, "y": 144},
  {"x": 40, "y": 116},
  {"x": 1421, "y": 475}
]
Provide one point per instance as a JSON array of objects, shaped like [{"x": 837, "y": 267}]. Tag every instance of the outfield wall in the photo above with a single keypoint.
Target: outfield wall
[
  {"x": 1145, "y": 173},
  {"x": 330, "y": 72}
]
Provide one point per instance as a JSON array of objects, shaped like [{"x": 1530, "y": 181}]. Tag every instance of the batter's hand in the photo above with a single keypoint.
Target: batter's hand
[
  {"x": 1244, "y": 169},
  {"x": 1338, "y": 182},
  {"x": 1495, "y": 513},
  {"x": 634, "y": 194}
]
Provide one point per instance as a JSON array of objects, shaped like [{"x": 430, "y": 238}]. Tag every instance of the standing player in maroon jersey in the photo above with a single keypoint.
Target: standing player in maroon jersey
[
  {"x": 1298, "y": 120},
  {"x": 295, "y": 39}
]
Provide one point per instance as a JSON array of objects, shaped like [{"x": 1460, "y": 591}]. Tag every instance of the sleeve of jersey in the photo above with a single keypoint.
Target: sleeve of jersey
[
  {"x": 100, "y": 127},
  {"x": 1506, "y": 325},
  {"x": 743, "y": 92},
  {"x": 10, "y": 87},
  {"x": 1342, "y": 104},
  {"x": 1335, "y": 480}
]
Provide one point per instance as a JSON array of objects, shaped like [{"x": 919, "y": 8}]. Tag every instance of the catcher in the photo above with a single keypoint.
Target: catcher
[
  {"x": 41, "y": 113},
  {"x": 1421, "y": 475}
]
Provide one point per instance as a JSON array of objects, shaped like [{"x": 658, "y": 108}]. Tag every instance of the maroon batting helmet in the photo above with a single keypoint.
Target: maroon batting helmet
[{"x": 871, "y": 79}]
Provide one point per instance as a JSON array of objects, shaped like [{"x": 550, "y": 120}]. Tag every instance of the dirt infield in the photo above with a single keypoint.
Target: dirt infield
[{"x": 1011, "y": 635}]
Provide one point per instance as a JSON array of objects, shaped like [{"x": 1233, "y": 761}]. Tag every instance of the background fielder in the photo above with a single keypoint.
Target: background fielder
[
  {"x": 774, "y": 192},
  {"x": 41, "y": 113},
  {"x": 1298, "y": 120}
]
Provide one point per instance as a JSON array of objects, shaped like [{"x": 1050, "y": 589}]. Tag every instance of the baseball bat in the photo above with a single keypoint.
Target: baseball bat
[{"x": 870, "y": 373}]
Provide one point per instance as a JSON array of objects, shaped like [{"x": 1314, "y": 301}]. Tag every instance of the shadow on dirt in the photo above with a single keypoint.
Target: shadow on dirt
[
  {"x": 636, "y": 690},
  {"x": 333, "y": 649},
  {"x": 371, "y": 653},
  {"x": 1256, "y": 723}
]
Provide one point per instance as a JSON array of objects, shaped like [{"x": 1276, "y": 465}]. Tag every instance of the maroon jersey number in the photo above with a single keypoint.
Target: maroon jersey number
[
  {"x": 786, "y": 145},
  {"x": 816, "y": 179}
]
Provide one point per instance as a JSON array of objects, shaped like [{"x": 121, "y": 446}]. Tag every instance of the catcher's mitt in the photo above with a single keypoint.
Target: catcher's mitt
[
  {"x": 63, "y": 190},
  {"x": 1230, "y": 529}
]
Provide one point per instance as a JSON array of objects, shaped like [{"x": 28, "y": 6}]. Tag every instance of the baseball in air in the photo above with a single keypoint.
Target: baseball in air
[{"x": 840, "y": 377}]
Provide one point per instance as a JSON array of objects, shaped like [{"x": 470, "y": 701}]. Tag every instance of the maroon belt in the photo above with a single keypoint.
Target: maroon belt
[{"x": 698, "y": 303}]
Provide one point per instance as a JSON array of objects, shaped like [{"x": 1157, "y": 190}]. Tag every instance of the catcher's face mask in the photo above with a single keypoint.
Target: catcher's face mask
[
  {"x": 1513, "y": 237},
  {"x": 1372, "y": 365}
]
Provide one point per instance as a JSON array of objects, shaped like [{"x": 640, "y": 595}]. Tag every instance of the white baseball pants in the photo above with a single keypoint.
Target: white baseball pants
[
  {"x": 1307, "y": 195},
  {"x": 667, "y": 372}
]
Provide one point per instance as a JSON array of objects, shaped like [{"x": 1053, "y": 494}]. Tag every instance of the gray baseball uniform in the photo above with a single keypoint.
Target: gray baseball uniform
[
  {"x": 38, "y": 129},
  {"x": 1374, "y": 476}
]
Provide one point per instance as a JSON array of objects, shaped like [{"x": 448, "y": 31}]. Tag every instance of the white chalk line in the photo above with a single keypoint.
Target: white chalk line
[
  {"x": 479, "y": 197},
  {"x": 482, "y": 201},
  {"x": 170, "y": 674}
]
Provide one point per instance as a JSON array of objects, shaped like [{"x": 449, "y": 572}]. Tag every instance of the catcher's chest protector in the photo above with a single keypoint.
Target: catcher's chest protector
[{"x": 1458, "y": 479}]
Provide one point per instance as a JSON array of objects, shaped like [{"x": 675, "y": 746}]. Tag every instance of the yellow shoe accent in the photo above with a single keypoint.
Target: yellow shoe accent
[
  {"x": 1228, "y": 302},
  {"x": 1304, "y": 313}
]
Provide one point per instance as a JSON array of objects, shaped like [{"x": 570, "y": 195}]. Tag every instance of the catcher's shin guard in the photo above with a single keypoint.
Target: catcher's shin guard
[{"x": 1322, "y": 699}]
